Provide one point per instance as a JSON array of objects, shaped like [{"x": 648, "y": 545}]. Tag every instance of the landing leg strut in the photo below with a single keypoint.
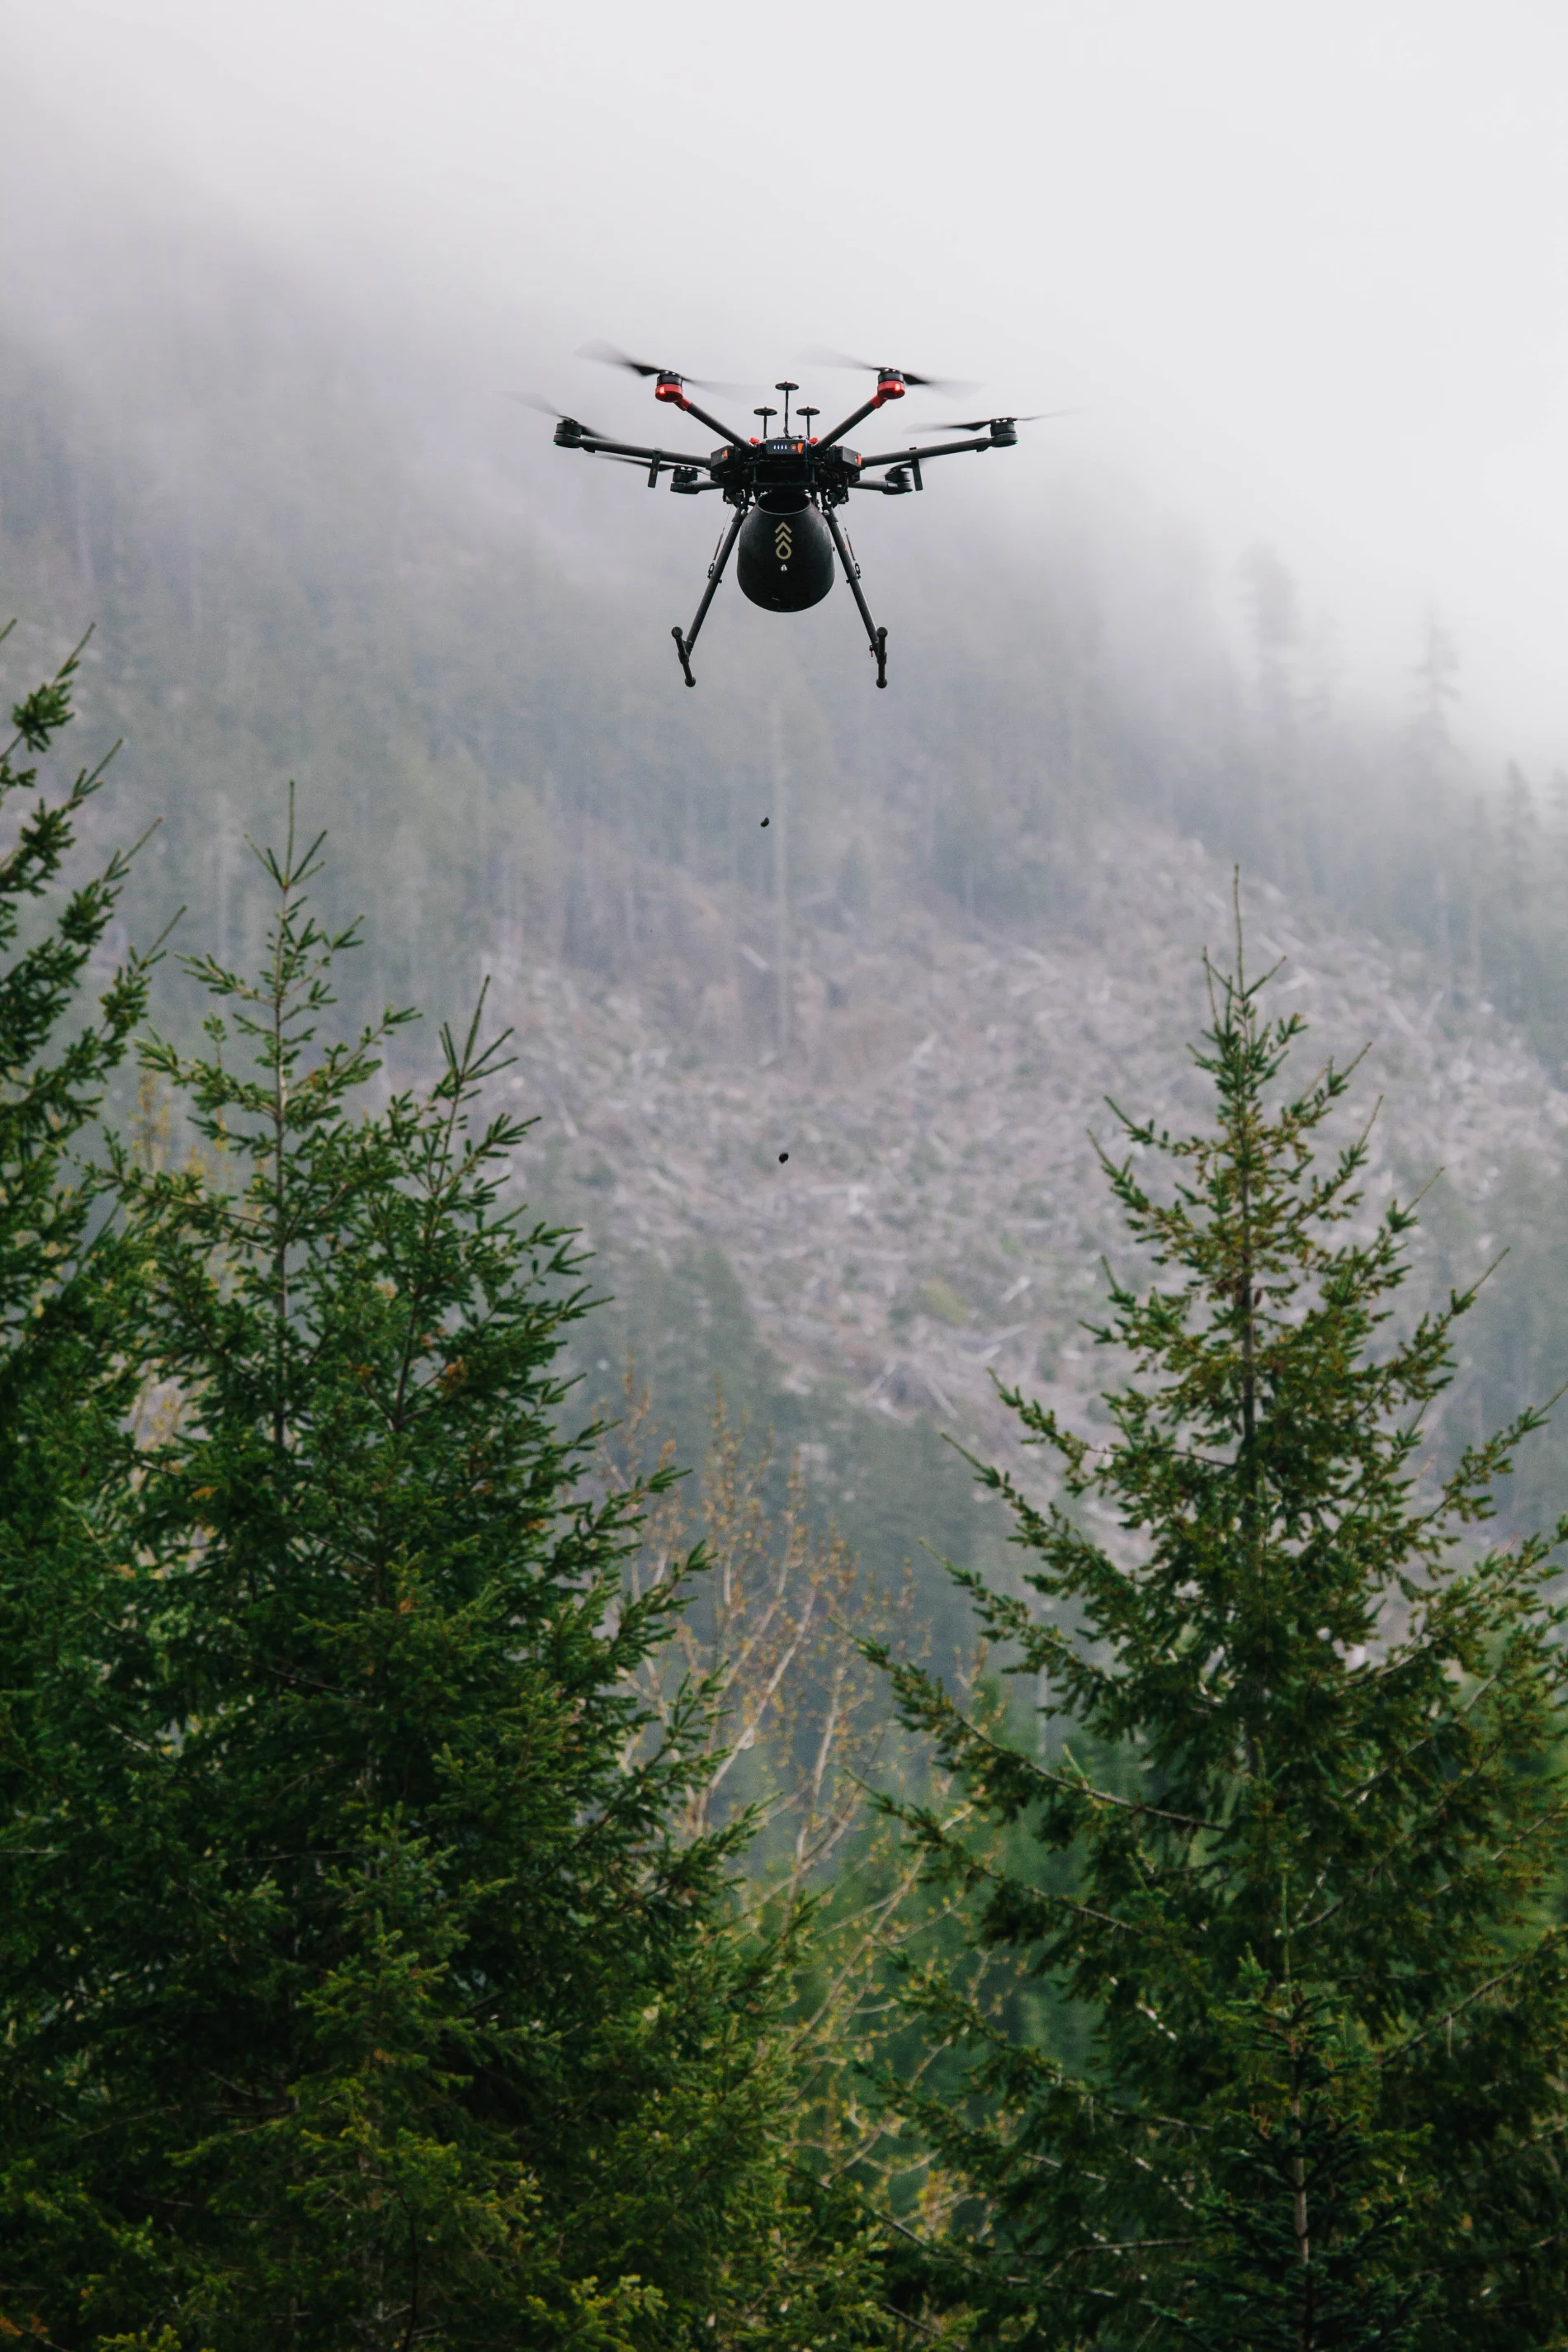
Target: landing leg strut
[
  {"x": 878, "y": 638},
  {"x": 683, "y": 645}
]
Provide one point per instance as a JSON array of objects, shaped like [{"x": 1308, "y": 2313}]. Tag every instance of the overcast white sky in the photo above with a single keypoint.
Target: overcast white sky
[{"x": 1307, "y": 262}]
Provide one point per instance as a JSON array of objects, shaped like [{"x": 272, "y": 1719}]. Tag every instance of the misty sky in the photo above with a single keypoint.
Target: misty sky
[{"x": 1307, "y": 264}]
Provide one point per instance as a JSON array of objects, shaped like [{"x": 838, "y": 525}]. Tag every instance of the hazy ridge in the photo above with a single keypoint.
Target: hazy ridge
[{"x": 977, "y": 908}]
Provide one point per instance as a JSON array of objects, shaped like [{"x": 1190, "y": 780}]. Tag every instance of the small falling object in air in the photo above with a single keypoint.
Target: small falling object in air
[
  {"x": 782, "y": 1157},
  {"x": 767, "y": 820}
]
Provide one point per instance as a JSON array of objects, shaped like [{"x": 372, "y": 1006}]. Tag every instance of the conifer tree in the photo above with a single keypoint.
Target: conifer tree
[
  {"x": 427, "y": 2029},
  {"x": 68, "y": 1381},
  {"x": 1304, "y": 1775}
]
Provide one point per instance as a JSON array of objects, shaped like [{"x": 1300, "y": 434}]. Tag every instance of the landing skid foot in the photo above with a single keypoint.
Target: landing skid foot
[
  {"x": 683, "y": 652},
  {"x": 880, "y": 647}
]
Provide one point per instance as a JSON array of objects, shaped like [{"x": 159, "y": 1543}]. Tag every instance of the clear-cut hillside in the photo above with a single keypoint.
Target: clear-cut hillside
[{"x": 940, "y": 1216}]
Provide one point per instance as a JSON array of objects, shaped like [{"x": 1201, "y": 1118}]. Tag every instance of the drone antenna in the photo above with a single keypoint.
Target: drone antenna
[
  {"x": 808, "y": 413},
  {"x": 764, "y": 414},
  {"x": 786, "y": 388}
]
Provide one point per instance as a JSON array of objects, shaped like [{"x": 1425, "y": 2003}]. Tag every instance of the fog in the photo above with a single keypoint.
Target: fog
[{"x": 1303, "y": 266}]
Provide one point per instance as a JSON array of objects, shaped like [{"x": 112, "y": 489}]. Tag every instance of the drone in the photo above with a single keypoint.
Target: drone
[{"x": 786, "y": 487}]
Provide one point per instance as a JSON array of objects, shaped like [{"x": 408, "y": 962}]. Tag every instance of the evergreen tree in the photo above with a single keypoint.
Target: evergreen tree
[
  {"x": 1309, "y": 1795},
  {"x": 426, "y": 2028},
  {"x": 67, "y": 1383}
]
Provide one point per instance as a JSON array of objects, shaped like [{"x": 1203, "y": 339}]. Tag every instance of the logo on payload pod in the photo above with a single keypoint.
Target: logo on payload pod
[{"x": 784, "y": 542}]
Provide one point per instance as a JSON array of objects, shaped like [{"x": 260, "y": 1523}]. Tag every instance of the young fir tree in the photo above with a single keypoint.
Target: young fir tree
[
  {"x": 67, "y": 1385},
  {"x": 428, "y": 2030},
  {"x": 1309, "y": 1795}
]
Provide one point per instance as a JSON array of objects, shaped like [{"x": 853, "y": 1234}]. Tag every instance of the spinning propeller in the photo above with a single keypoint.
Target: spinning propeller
[
  {"x": 985, "y": 424},
  {"x": 825, "y": 358},
  {"x": 608, "y": 356},
  {"x": 562, "y": 416}
]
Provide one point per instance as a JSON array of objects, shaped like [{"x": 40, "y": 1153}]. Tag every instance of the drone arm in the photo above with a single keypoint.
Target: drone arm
[
  {"x": 850, "y": 422},
  {"x": 594, "y": 447},
  {"x": 919, "y": 456},
  {"x": 677, "y": 396},
  {"x": 723, "y": 431}
]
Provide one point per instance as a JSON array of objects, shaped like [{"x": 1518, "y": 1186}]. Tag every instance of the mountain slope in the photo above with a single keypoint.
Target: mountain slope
[{"x": 976, "y": 906}]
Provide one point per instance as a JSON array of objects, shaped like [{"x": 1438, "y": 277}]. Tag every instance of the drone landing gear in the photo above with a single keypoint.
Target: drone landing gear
[
  {"x": 683, "y": 645},
  {"x": 879, "y": 637}
]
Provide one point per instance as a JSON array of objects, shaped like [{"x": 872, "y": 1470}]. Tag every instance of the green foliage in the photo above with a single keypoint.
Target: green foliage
[
  {"x": 66, "y": 1387},
  {"x": 44, "y": 1104},
  {"x": 1323, "y": 2105},
  {"x": 1305, "y": 2227},
  {"x": 393, "y": 2012}
]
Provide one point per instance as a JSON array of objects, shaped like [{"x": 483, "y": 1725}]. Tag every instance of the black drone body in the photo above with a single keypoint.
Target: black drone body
[{"x": 786, "y": 490}]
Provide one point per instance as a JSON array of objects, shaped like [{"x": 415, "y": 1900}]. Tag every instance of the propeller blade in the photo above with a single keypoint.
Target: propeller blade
[
  {"x": 978, "y": 424},
  {"x": 548, "y": 408},
  {"x": 823, "y": 357},
  {"x": 608, "y": 356}
]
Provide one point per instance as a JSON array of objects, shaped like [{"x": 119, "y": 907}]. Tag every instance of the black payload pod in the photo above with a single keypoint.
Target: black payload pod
[{"x": 784, "y": 561}]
